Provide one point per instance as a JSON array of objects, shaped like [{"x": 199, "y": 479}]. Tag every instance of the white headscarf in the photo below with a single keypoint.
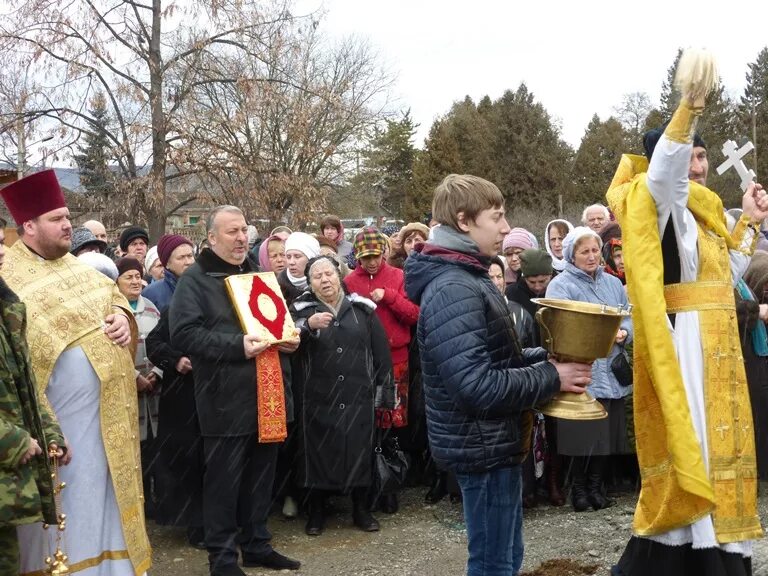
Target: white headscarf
[
  {"x": 574, "y": 236},
  {"x": 557, "y": 263}
]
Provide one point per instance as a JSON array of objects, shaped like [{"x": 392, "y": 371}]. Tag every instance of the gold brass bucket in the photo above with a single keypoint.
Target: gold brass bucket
[{"x": 575, "y": 331}]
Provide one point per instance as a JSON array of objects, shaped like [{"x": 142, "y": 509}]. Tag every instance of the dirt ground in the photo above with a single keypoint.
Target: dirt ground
[{"x": 427, "y": 540}]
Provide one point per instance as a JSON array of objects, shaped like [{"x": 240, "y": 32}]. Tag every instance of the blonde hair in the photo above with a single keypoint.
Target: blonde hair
[{"x": 464, "y": 193}]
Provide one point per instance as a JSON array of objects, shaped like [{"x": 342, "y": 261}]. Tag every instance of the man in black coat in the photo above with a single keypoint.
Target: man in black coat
[
  {"x": 478, "y": 383},
  {"x": 239, "y": 471}
]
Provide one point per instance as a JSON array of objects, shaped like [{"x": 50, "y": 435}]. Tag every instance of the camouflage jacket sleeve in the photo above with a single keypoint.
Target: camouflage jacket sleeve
[
  {"x": 14, "y": 442},
  {"x": 51, "y": 429}
]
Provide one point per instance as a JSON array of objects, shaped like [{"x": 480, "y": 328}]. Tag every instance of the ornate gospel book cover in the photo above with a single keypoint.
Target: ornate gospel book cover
[{"x": 260, "y": 307}]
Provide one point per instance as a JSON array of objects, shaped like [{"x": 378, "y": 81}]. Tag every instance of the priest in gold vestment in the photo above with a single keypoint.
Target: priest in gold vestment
[
  {"x": 79, "y": 331},
  {"x": 697, "y": 511}
]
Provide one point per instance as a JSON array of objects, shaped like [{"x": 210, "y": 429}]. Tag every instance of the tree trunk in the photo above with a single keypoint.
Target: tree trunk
[{"x": 154, "y": 207}]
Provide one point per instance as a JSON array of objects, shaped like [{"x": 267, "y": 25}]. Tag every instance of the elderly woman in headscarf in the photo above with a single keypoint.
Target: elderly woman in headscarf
[
  {"x": 344, "y": 373},
  {"x": 591, "y": 442},
  {"x": 272, "y": 253},
  {"x": 612, "y": 251},
  {"x": 554, "y": 235}
]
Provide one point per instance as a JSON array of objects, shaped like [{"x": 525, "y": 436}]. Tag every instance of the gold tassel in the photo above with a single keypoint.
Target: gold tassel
[
  {"x": 57, "y": 564},
  {"x": 696, "y": 76}
]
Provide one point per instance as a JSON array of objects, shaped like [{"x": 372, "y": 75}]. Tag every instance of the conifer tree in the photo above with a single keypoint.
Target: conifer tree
[
  {"x": 596, "y": 160},
  {"x": 753, "y": 112},
  {"x": 93, "y": 159}
]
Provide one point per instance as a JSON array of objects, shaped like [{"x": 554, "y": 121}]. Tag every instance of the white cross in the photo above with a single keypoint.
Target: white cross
[
  {"x": 733, "y": 156},
  {"x": 722, "y": 428}
]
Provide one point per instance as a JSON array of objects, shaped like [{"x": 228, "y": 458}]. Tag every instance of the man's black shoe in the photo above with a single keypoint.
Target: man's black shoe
[
  {"x": 196, "y": 537},
  {"x": 273, "y": 560},
  {"x": 365, "y": 521},
  {"x": 228, "y": 570}
]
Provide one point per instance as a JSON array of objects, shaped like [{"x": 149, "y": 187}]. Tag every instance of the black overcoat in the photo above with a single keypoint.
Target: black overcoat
[{"x": 341, "y": 373}]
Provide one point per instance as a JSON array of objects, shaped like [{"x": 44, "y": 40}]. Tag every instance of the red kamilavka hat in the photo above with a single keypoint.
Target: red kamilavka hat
[{"x": 33, "y": 196}]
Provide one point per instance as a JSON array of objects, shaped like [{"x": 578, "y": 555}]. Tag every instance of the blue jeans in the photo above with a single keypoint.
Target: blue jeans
[{"x": 493, "y": 513}]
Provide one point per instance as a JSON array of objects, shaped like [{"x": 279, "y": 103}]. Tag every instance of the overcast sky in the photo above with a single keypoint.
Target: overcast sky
[{"x": 578, "y": 58}]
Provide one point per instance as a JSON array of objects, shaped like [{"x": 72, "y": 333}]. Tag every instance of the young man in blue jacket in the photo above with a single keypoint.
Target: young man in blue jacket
[{"x": 479, "y": 384}]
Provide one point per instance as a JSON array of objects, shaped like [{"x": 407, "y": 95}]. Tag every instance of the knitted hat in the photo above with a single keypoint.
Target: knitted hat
[
  {"x": 369, "y": 242},
  {"x": 304, "y": 243},
  {"x": 574, "y": 236},
  {"x": 517, "y": 238},
  {"x": 150, "y": 258},
  {"x": 652, "y": 137},
  {"x": 130, "y": 234},
  {"x": 127, "y": 264},
  {"x": 82, "y": 237},
  {"x": 101, "y": 262},
  {"x": 33, "y": 196},
  {"x": 167, "y": 244},
  {"x": 535, "y": 262}
]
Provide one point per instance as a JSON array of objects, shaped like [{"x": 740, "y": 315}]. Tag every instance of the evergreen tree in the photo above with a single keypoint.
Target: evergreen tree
[
  {"x": 670, "y": 96},
  {"x": 94, "y": 156},
  {"x": 753, "y": 112},
  {"x": 388, "y": 166},
  {"x": 596, "y": 160},
  {"x": 529, "y": 159},
  {"x": 439, "y": 158}
]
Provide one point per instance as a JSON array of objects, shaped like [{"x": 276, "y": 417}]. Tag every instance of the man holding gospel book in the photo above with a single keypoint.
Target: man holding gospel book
[{"x": 231, "y": 369}]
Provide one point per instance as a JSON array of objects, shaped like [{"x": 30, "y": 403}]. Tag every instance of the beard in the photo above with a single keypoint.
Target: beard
[{"x": 53, "y": 249}]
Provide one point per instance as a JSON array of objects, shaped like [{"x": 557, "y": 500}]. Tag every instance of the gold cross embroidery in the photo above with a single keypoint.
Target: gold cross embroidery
[
  {"x": 722, "y": 428},
  {"x": 718, "y": 355}
]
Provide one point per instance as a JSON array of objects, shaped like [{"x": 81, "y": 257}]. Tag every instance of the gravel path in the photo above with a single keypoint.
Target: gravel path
[{"x": 428, "y": 540}]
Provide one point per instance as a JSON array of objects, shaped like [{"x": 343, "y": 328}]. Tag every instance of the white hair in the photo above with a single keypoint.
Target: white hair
[{"x": 588, "y": 208}]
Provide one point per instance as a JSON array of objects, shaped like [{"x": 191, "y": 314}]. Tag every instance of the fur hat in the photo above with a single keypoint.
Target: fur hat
[{"x": 130, "y": 234}]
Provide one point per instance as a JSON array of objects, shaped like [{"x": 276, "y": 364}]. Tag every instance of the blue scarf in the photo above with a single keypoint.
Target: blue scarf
[{"x": 759, "y": 333}]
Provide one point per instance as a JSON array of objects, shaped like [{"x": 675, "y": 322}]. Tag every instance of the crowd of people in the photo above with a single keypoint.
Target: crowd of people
[{"x": 126, "y": 372}]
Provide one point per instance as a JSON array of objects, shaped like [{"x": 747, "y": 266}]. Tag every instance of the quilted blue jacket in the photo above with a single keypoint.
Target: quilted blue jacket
[{"x": 479, "y": 385}]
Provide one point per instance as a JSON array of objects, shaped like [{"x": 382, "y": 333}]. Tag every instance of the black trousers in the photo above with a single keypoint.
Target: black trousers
[{"x": 237, "y": 492}]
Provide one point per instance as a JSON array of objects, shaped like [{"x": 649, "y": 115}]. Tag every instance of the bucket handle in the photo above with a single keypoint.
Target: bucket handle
[{"x": 542, "y": 324}]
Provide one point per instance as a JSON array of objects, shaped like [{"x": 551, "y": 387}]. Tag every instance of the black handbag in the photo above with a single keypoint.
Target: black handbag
[
  {"x": 390, "y": 465},
  {"x": 622, "y": 367}
]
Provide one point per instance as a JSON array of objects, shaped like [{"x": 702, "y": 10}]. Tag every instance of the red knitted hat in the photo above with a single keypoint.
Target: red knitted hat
[
  {"x": 33, "y": 196},
  {"x": 167, "y": 244}
]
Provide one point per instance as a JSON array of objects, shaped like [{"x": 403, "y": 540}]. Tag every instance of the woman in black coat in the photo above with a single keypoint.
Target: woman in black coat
[
  {"x": 180, "y": 473},
  {"x": 344, "y": 373}
]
